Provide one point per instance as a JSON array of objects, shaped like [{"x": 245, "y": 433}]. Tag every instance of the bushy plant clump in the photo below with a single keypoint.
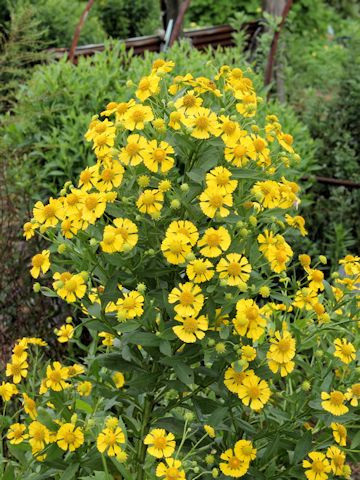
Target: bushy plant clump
[{"x": 204, "y": 355}]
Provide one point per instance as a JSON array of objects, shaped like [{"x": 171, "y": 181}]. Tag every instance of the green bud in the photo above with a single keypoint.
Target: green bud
[
  {"x": 229, "y": 296},
  {"x": 189, "y": 416},
  {"x": 141, "y": 287},
  {"x": 319, "y": 353},
  {"x": 84, "y": 275},
  {"x": 211, "y": 342},
  {"x": 244, "y": 232},
  {"x": 323, "y": 259},
  {"x": 61, "y": 248},
  {"x": 209, "y": 459},
  {"x": 37, "y": 287},
  {"x": 306, "y": 386},
  {"x": 93, "y": 242},
  {"x": 240, "y": 224},
  {"x": 151, "y": 252},
  {"x": 190, "y": 257},
  {"x": 253, "y": 220},
  {"x": 184, "y": 187},
  {"x": 175, "y": 204},
  {"x": 215, "y": 472}
]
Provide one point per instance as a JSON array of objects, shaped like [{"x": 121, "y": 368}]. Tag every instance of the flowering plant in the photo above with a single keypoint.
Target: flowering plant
[{"x": 202, "y": 348}]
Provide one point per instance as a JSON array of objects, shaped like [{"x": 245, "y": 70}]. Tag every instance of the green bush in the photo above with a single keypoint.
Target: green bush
[{"x": 124, "y": 19}]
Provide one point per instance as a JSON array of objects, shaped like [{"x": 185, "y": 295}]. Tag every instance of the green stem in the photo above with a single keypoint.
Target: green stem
[
  {"x": 141, "y": 450},
  {"x": 105, "y": 467}
]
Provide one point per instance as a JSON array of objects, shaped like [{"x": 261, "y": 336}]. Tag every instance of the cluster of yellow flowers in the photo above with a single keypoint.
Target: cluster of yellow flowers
[{"x": 176, "y": 236}]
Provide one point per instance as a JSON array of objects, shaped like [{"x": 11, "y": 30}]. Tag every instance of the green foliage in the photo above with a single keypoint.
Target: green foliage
[
  {"x": 20, "y": 45},
  {"x": 203, "y": 12},
  {"x": 124, "y": 19},
  {"x": 59, "y": 19}
]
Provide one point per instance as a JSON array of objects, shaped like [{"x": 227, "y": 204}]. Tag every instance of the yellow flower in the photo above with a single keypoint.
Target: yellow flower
[
  {"x": 65, "y": 333},
  {"x": 175, "y": 120},
  {"x": 75, "y": 370},
  {"x": 108, "y": 338},
  {"x": 210, "y": 431},
  {"x": 247, "y": 106},
  {"x": 109, "y": 441},
  {"x": 318, "y": 468},
  {"x": 316, "y": 278},
  {"x": 305, "y": 261},
  {"x": 136, "y": 117},
  {"x": 281, "y": 352},
  {"x": 40, "y": 263},
  {"x": 92, "y": 206},
  {"x": 233, "y": 466},
  {"x": 214, "y": 242},
  {"x": 87, "y": 178},
  {"x": 254, "y": 392},
  {"x": 279, "y": 254},
  {"x": 234, "y": 379},
  {"x": 351, "y": 264},
  {"x": 39, "y": 435},
  {"x": 230, "y": 130},
  {"x": 200, "y": 270},
  {"x": 234, "y": 268},
  {"x": 69, "y": 287},
  {"x": 16, "y": 433},
  {"x": 160, "y": 444},
  {"x": 344, "y": 350},
  {"x": 337, "y": 460},
  {"x": 150, "y": 201},
  {"x": 112, "y": 241},
  {"x": 296, "y": 222},
  {"x": 162, "y": 66},
  {"x": 353, "y": 394},
  {"x": 133, "y": 152},
  {"x": 29, "y": 229},
  {"x": 203, "y": 123},
  {"x": 248, "y": 353},
  {"x": 175, "y": 248},
  {"x": 110, "y": 177},
  {"x": 244, "y": 450},
  {"x": 214, "y": 202},
  {"x": 249, "y": 321},
  {"x": 29, "y": 406},
  {"x": 305, "y": 298},
  {"x": 184, "y": 227},
  {"x": 333, "y": 402},
  {"x": 164, "y": 185},
  {"x": 339, "y": 432},
  {"x": 118, "y": 108},
  {"x": 118, "y": 379},
  {"x": 84, "y": 389},
  {"x": 286, "y": 141},
  {"x": 172, "y": 470},
  {"x": 128, "y": 231},
  {"x": 69, "y": 438},
  {"x": 148, "y": 87},
  {"x": 189, "y": 104},
  {"x": 7, "y": 390},
  {"x": 56, "y": 377},
  {"x": 18, "y": 369},
  {"x": 240, "y": 152},
  {"x": 189, "y": 299},
  {"x": 130, "y": 306},
  {"x": 50, "y": 214},
  {"x": 157, "y": 156},
  {"x": 191, "y": 329},
  {"x": 220, "y": 178}
]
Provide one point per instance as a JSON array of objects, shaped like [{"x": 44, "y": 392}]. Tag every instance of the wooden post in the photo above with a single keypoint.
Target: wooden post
[{"x": 78, "y": 29}]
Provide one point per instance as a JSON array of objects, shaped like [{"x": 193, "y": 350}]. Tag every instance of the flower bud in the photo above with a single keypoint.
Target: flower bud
[
  {"x": 211, "y": 342},
  {"x": 215, "y": 472},
  {"x": 319, "y": 353},
  {"x": 61, "y": 248},
  {"x": 68, "y": 320},
  {"x": 323, "y": 259},
  {"x": 244, "y": 232},
  {"x": 143, "y": 181},
  {"x": 306, "y": 386},
  {"x": 209, "y": 459},
  {"x": 264, "y": 291},
  {"x": 190, "y": 257},
  {"x": 129, "y": 83},
  {"x": 84, "y": 275},
  {"x": 37, "y": 287},
  {"x": 141, "y": 287},
  {"x": 175, "y": 204},
  {"x": 335, "y": 275},
  {"x": 93, "y": 242},
  {"x": 223, "y": 283},
  {"x": 220, "y": 348},
  {"x": 189, "y": 416},
  {"x": 184, "y": 187},
  {"x": 253, "y": 220},
  {"x": 150, "y": 252}
]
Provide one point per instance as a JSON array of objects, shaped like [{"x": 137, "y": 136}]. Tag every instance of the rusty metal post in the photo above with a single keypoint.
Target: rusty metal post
[{"x": 78, "y": 29}]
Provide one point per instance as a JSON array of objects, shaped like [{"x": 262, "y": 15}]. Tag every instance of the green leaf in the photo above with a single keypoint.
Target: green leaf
[
  {"x": 70, "y": 472},
  {"x": 83, "y": 406},
  {"x": 145, "y": 339},
  {"x": 165, "y": 348},
  {"x": 114, "y": 361},
  {"x": 184, "y": 373},
  {"x": 303, "y": 446}
]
